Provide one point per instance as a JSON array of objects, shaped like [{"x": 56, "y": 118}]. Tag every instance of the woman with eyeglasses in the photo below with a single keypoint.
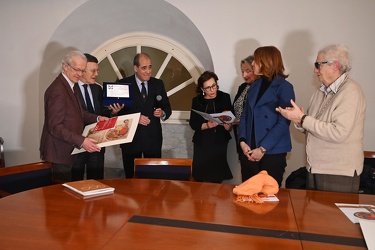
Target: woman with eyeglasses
[
  {"x": 241, "y": 96},
  {"x": 333, "y": 124},
  {"x": 210, "y": 139},
  {"x": 264, "y": 133}
]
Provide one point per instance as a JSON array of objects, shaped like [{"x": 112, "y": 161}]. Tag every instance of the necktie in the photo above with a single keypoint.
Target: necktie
[
  {"x": 144, "y": 92},
  {"x": 89, "y": 106}
]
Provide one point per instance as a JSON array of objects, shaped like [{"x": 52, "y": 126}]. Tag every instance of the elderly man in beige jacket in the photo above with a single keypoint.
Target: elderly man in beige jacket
[{"x": 333, "y": 124}]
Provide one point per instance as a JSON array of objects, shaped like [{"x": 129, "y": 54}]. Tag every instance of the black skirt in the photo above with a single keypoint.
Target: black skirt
[{"x": 210, "y": 162}]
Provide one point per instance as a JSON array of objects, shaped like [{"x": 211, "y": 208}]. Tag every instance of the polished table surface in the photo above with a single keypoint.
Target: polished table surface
[{"x": 162, "y": 214}]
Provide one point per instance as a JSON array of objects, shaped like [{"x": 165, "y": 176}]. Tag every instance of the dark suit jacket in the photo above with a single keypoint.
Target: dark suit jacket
[
  {"x": 97, "y": 95},
  {"x": 64, "y": 121},
  {"x": 147, "y": 138},
  {"x": 222, "y": 103}
]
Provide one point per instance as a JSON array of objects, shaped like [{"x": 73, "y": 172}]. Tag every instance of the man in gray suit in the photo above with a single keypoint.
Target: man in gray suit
[
  {"x": 91, "y": 97},
  {"x": 64, "y": 118}
]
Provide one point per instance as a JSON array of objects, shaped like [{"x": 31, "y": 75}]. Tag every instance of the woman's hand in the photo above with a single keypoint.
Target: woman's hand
[
  {"x": 236, "y": 122},
  {"x": 293, "y": 114},
  {"x": 228, "y": 126},
  {"x": 256, "y": 155},
  {"x": 212, "y": 124},
  {"x": 246, "y": 150}
]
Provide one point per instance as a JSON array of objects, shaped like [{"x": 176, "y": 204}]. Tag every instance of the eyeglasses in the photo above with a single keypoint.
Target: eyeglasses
[
  {"x": 93, "y": 71},
  {"x": 76, "y": 70},
  {"x": 317, "y": 64},
  {"x": 213, "y": 87}
]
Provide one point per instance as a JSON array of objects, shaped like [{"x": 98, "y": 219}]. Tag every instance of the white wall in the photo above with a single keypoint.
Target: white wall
[{"x": 232, "y": 29}]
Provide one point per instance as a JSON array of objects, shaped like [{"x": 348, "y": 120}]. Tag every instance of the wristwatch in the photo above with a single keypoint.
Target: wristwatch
[{"x": 263, "y": 150}]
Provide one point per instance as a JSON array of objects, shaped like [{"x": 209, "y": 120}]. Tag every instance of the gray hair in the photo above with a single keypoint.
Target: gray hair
[
  {"x": 71, "y": 54},
  {"x": 340, "y": 53},
  {"x": 248, "y": 60}
]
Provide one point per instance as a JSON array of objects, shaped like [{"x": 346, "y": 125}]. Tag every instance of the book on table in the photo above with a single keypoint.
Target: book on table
[
  {"x": 263, "y": 197},
  {"x": 89, "y": 188}
]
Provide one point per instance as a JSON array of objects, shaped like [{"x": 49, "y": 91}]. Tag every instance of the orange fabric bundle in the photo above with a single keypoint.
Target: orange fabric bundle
[{"x": 260, "y": 183}]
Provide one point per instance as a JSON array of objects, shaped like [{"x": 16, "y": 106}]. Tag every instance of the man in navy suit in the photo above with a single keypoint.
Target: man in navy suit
[
  {"x": 150, "y": 99},
  {"x": 64, "y": 118},
  {"x": 91, "y": 97}
]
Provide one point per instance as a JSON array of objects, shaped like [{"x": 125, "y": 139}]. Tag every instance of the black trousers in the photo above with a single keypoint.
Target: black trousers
[
  {"x": 92, "y": 162},
  {"x": 62, "y": 172},
  {"x": 128, "y": 160},
  {"x": 274, "y": 164}
]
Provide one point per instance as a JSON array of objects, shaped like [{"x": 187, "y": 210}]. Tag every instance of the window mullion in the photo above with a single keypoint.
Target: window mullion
[{"x": 164, "y": 65}]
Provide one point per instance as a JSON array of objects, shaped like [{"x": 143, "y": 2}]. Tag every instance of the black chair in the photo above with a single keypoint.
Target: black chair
[
  {"x": 367, "y": 182},
  {"x": 163, "y": 168},
  {"x": 24, "y": 177},
  {"x": 2, "y": 161}
]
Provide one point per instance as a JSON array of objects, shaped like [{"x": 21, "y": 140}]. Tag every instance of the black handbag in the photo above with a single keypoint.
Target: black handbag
[
  {"x": 367, "y": 181},
  {"x": 297, "y": 179}
]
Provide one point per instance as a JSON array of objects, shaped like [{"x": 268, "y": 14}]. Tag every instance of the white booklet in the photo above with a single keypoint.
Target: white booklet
[{"x": 223, "y": 117}]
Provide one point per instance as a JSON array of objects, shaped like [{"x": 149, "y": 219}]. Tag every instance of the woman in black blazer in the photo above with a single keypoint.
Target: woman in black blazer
[{"x": 210, "y": 139}]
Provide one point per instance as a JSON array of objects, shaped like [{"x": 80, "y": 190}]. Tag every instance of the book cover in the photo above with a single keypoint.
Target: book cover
[
  {"x": 263, "y": 197},
  {"x": 103, "y": 125},
  {"x": 89, "y": 188}
]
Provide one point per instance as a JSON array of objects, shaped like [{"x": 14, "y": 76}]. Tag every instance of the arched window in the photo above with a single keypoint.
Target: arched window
[{"x": 173, "y": 63}]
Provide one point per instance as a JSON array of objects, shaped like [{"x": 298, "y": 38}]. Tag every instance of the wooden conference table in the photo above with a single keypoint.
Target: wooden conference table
[{"x": 161, "y": 214}]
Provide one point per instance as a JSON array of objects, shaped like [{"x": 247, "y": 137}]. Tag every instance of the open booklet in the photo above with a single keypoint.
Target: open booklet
[
  {"x": 223, "y": 117},
  {"x": 116, "y": 130}
]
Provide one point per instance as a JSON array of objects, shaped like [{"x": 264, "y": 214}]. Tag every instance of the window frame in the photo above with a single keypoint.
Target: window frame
[{"x": 171, "y": 47}]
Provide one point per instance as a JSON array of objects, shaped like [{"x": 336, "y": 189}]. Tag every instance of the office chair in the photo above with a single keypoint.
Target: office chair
[
  {"x": 24, "y": 177},
  {"x": 163, "y": 168},
  {"x": 2, "y": 161}
]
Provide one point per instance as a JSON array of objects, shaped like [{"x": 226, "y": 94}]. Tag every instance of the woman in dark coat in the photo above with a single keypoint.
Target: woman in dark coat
[{"x": 210, "y": 138}]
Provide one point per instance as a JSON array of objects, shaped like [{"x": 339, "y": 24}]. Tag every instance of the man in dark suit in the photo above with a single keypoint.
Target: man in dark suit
[
  {"x": 91, "y": 97},
  {"x": 150, "y": 99},
  {"x": 64, "y": 118}
]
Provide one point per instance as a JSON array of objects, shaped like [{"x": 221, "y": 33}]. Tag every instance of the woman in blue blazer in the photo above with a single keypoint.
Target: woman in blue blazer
[{"x": 264, "y": 134}]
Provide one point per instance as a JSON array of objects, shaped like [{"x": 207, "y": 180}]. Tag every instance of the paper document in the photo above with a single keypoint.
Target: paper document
[
  {"x": 118, "y": 91},
  {"x": 368, "y": 229}
]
